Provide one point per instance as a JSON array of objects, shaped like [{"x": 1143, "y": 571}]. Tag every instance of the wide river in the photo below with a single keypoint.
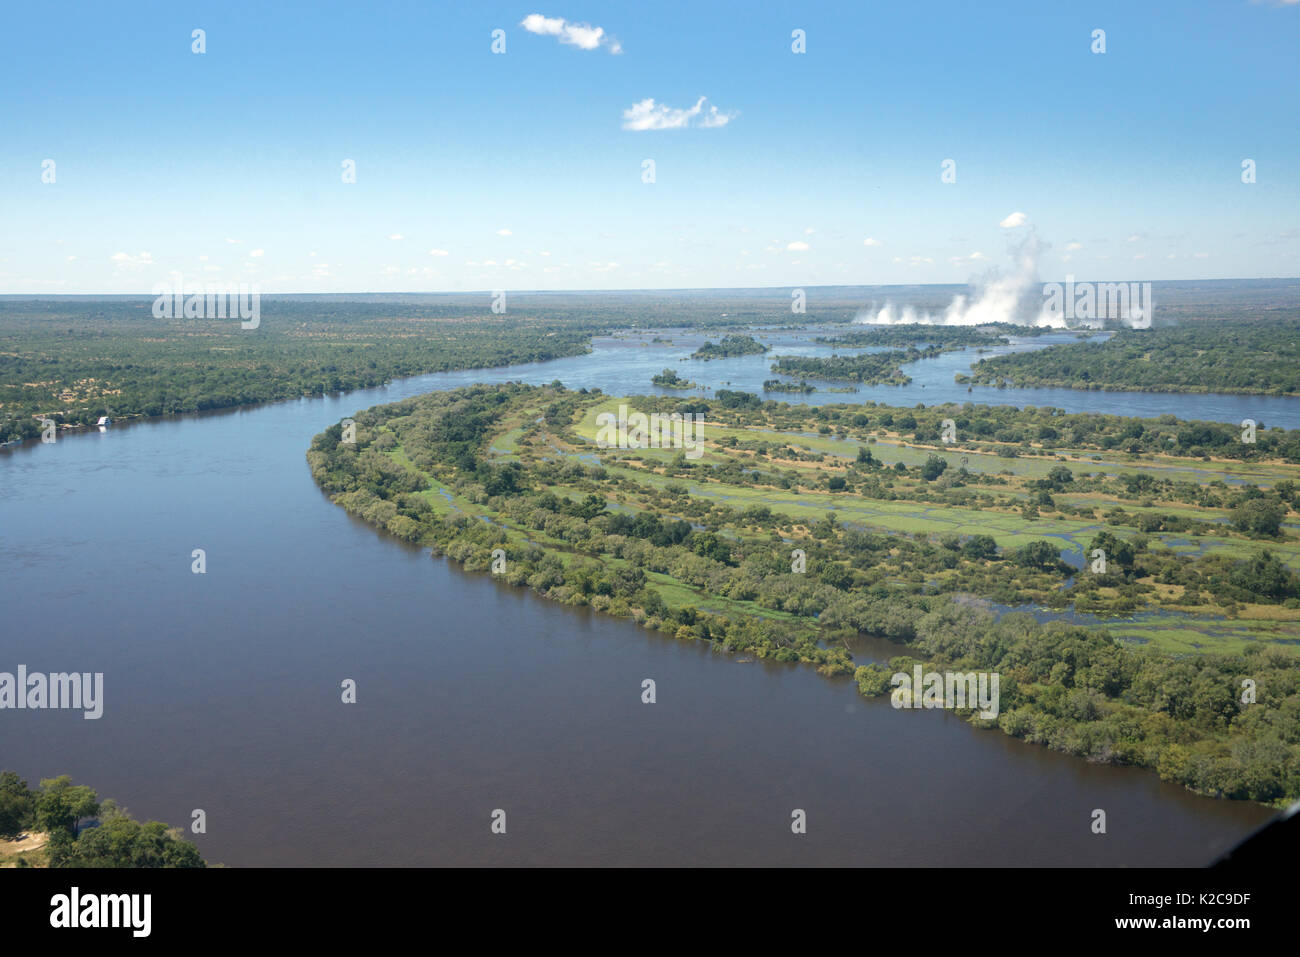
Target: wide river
[{"x": 222, "y": 690}]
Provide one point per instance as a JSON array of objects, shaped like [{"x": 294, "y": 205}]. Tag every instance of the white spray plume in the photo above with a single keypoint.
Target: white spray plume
[{"x": 1015, "y": 298}]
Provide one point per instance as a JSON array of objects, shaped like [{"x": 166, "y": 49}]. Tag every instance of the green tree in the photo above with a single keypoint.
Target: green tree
[
  {"x": 17, "y": 805},
  {"x": 933, "y": 468},
  {"x": 1258, "y": 517},
  {"x": 61, "y": 804}
]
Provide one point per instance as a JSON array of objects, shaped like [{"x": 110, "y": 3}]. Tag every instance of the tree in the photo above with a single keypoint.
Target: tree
[
  {"x": 1117, "y": 551},
  {"x": 17, "y": 805},
  {"x": 61, "y": 804},
  {"x": 933, "y": 468},
  {"x": 1265, "y": 577},
  {"x": 1258, "y": 517},
  {"x": 121, "y": 841},
  {"x": 1039, "y": 554},
  {"x": 1058, "y": 478},
  {"x": 980, "y": 547}
]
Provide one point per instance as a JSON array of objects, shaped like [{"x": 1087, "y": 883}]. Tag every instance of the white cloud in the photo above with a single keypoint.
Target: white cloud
[
  {"x": 396, "y": 236},
  {"x": 233, "y": 242},
  {"x": 132, "y": 263},
  {"x": 1073, "y": 247},
  {"x": 809, "y": 231},
  {"x": 504, "y": 232},
  {"x": 256, "y": 253},
  {"x": 648, "y": 115},
  {"x": 1014, "y": 220},
  {"x": 797, "y": 247},
  {"x": 871, "y": 241},
  {"x": 581, "y": 35},
  {"x": 438, "y": 252},
  {"x": 1135, "y": 237},
  {"x": 713, "y": 119}
]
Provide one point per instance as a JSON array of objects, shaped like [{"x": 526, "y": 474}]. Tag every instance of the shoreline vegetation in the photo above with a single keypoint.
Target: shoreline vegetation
[
  {"x": 802, "y": 528},
  {"x": 61, "y": 824}
]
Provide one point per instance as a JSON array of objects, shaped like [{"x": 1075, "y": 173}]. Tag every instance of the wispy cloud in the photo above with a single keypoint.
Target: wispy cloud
[
  {"x": 649, "y": 115},
  {"x": 1014, "y": 221},
  {"x": 128, "y": 262},
  {"x": 581, "y": 35}
]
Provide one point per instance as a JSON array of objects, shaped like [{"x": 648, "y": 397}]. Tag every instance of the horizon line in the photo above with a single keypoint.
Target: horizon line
[{"x": 626, "y": 289}]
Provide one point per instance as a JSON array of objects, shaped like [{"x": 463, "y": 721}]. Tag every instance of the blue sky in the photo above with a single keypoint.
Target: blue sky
[{"x": 518, "y": 171}]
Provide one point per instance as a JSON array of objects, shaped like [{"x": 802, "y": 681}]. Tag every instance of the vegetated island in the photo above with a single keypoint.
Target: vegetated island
[
  {"x": 780, "y": 385},
  {"x": 868, "y": 368},
  {"x": 669, "y": 379},
  {"x": 61, "y": 824},
  {"x": 734, "y": 345},
  {"x": 1260, "y": 357},
  {"x": 901, "y": 537}
]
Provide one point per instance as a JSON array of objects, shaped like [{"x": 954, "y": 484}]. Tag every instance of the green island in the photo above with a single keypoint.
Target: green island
[
  {"x": 734, "y": 345},
  {"x": 1258, "y": 357},
  {"x": 669, "y": 379},
  {"x": 796, "y": 532},
  {"x": 39, "y": 827},
  {"x": 780, "y": 385},
  {"x": 868, "y": 368}
]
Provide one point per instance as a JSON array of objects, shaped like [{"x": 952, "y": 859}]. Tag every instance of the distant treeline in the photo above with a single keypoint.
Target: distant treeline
[{"x": 75, "y": 363}]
